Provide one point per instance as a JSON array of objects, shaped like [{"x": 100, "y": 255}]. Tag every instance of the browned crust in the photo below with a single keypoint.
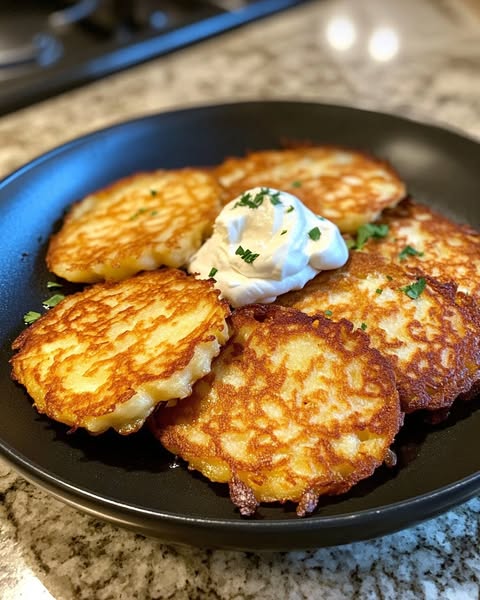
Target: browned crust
[
  {"x": 168, "y": 225},
  {"x": 449, "y": 251},
  {"x": 259, "y": 353},
  {"x": 111, "y": 323},
  {"x": 450, "y": 326},
  {"x": 327, "y": 192}
]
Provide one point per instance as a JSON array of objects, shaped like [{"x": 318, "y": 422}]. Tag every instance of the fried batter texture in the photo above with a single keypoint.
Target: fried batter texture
[
  {"x": 106, "y": 356},
  {"x": 139, "y": 223},
  {"x": 294, "y": 408},
  {"x": 421, "y": 238},
  {"x": 349, "y": 188},
  {"x": 432, "y": 341}
]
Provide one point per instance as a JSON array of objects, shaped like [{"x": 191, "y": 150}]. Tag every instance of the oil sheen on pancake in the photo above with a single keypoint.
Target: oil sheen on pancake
[
  {"x": 347, "y": 187},
  {"x": 432, "y": 341},
  {"x": 106, "y": 356},
  {"x": 139, "y": 223},
  {"x": 294, "y": 408},
  {"x": 419, "y": 237}
]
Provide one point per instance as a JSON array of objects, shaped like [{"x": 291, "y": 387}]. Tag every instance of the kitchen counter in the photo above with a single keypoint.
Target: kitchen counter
[{"x": 414, "y": 58}]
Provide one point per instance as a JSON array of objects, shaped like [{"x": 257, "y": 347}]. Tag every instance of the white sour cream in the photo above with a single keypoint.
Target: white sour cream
[{"x": 265, "y": 243}]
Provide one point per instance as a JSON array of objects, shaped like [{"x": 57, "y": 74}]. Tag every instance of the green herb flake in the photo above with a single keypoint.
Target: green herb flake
[
  {"x": 53, "y": 300},
  {"x": 53, "y": 284},
  {"x": 296, "y": 184},
  {"x": 409, "y": 251},
  {"x": 415, "y": 289},
  {"x": 314, "y": 234},
  {"x": 367, "y": 231},
  {"x": 378, "y": 291},
  {"x": 254, "y": 202},
  {"x": 136, "y": 214},
  {"x": 328, "y": 313},
  {"x": 350, "y": 244},
  {"x": 153, "y": 192},
  {"x": 154, "y": 213},
  {"x": 245, "y": 200},
  {"x": 275, "y": 198},
  {"x": 30, "y": 317},
  {"x": 213, "y": 272},
  {"x": 289, "y": 209},
  {"x": 284, "y": 232},
  {"x": 363, "y": 326},
  {"x": 247, "y": 255},
  {"x": 390, "y": 278}
]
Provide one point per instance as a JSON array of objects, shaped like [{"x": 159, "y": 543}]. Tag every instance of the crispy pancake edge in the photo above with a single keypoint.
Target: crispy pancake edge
[
  {"x": 387, "y": 420},
  {"x": 415, "y": 393},
  {"x": 137, "y": 390},
  {"x": 119, "y": 259},
  {"x": 267, "y": 159}
]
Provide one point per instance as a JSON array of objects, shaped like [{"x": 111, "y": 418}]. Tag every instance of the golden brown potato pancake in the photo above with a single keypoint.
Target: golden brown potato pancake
[
  {"x": 432, "y": 341},
  {"x": 138, "y": 223},
  {"x": 348, "y": 187},
  {"x": 420, "y": 237},
  {"x": 104, "y": 357},
  {"x": 295, "y": 407}
]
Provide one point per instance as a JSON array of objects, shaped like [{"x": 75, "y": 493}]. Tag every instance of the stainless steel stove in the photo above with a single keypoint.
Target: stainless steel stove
[{"x": 48, "y": 46}]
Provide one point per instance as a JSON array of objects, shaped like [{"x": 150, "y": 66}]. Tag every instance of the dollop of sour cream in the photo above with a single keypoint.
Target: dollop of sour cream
[{"x": 265, "y": 243}]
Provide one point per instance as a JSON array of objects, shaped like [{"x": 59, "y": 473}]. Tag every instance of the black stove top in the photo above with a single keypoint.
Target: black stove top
[{"x": 48, "y": 46}]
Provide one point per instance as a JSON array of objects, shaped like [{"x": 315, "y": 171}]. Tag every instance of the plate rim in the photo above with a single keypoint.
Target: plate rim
[
  {"x": 454, "y": 493},
  {"x": 50, "y": 480},
  {"x": 417, "y": 119}
]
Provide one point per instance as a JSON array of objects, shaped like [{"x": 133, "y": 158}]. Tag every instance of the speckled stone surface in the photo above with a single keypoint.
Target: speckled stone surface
[{"x": 49, "y": 550}]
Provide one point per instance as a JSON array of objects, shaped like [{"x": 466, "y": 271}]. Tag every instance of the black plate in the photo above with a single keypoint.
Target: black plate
[{"x": 131, "y": 481}]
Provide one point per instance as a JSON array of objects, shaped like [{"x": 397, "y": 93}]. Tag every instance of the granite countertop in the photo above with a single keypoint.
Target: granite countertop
[{"x": 428, "y": 67}]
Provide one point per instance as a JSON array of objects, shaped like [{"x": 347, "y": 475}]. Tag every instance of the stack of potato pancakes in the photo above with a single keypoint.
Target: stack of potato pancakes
[{"x": 285, "y": 401}]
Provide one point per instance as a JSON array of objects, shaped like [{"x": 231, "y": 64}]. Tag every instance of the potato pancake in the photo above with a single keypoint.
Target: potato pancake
[
  {"x": 104, "y": 357},
  {"x": 294, "y": 408},
  {"x": 419, "y": 237},
  {"x": 430, "y": 334},
  {"x": 137, "y": 224},
  {"x": 347, "y": 187}
]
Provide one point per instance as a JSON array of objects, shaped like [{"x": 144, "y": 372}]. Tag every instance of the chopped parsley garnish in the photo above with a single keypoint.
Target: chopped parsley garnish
[
  {"x": 154, "y": 213},
  {"x": 415, "y": 289},
  {"x": 284, "y": 232},
  {"x": 275, "y": 198},
  {"x": 247, "y": 255},
  {"x": 409, "y": 251},
  {"x": 153, "y": 192},
  {"x": 246, "y": 199},
  {"x": 213, "y": 272},
  {"x": 363, "y": 326},
  {"x": 328, "y": 313},
  {"x": 296, "y": 184},
  {"x": 53, "y": 300},
  {"x": 378, "y": 291},
  {"x": 367, "y": 231},
  {"x": 136, "y": 214},
  {"x": 290, "y": 208},
  {"x": 390, "y": 278},
  {"x": 351, "y": 245},
  {"x": 314, "y": 234},
  {"x": 30, "y": 317}
]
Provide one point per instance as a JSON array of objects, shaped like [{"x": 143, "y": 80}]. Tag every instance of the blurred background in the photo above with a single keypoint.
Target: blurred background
[
  {"x": 125, "y": 58},
  {"x": 50, "y": 46}
]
